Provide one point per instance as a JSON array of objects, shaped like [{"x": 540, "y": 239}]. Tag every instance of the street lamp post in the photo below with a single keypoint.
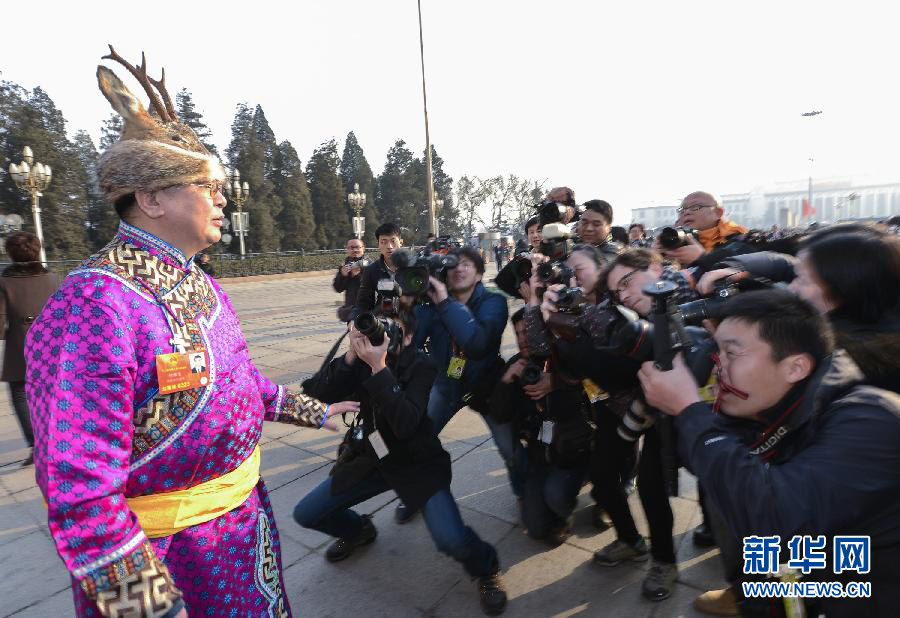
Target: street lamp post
[
  {"x": 357, "y": 203},
  {"x": 438, "y": 208},
  {"x": 239, "y": 193},
  {"x": 33, "y": 178}
]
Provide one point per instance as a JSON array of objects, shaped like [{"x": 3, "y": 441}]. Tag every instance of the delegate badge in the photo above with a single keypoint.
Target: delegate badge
[
  {"x": 180, "y": 371},
  {"x": 456, "y": 367},
  {"x": 709, "y": 392},
  {"x": 594, "y": 393}
]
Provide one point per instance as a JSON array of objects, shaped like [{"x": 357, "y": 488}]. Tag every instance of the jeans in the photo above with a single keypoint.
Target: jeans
[
  {"x": 550, "y": 496},
  {"x": 605, "y": 474},
  {"x": 20, "y": 405},
  {"x": 445, "y": 400},
  {"x": 322, "y": 511}
]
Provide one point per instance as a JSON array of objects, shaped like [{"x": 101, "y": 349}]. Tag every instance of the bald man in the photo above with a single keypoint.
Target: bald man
[{"x": 719, "y": 237}]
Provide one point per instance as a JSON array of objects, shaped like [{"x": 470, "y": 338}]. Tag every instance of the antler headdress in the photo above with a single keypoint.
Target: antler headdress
[{"x": 156, "y": 150}]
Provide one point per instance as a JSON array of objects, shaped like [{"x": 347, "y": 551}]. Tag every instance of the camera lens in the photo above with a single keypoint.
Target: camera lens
[
  {"x": 371, "y": 327},
  {"x": 672, "y": 238}
]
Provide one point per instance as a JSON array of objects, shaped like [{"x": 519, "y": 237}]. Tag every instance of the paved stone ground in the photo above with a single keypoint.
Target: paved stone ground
[{"x": 290, "y": 326}]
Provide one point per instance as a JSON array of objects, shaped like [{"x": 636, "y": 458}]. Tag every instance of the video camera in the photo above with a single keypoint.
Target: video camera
[
  {"x": 413, "y": 270},
  {"x": 441, "y": 245}
]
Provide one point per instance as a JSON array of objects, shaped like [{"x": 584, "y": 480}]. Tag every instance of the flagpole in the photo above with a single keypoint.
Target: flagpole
[{"x": 429, "y": 180}]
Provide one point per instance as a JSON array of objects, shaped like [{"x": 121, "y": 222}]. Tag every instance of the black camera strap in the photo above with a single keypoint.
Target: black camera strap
[{"x": 314, "y": 380}]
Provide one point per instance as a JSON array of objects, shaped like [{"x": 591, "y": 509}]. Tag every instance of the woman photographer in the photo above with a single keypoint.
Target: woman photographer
[{"x": 851, "y": 274}]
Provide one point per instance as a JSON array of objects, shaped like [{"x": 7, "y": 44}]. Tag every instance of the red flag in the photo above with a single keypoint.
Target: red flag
[{"x": 807, "y": 211}]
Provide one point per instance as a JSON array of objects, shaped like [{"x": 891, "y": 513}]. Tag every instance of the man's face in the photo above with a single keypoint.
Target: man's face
[
  {"x": 355, "y": 248},
  {"x": 699, "y": 211},
  {"x": 464, "y": 276},
  {"x": 627, "y": 285},
  {"x": 190, "y": 216},
  {"x": 635, "y": 233},
  {"x": 387, "y": 245},
  {"x": 748, "y": 365},
  {"x": 593, "y": 228},
  {"x": 534, "y": 235},
  {"x": 521, "y": 339}
]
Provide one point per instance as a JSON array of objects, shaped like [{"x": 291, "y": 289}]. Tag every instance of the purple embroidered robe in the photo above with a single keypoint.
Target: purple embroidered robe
[{"x": 104, "y": 434}]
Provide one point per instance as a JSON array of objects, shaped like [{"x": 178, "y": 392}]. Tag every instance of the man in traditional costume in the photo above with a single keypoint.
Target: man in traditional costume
[{"x": 151, "y": 471}]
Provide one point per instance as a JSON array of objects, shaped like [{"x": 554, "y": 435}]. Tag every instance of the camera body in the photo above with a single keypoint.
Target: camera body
[
  {"x": 360, "y": 263},
  {"x": 414, "y": 269},
  {"x": 675, "y": 237}
]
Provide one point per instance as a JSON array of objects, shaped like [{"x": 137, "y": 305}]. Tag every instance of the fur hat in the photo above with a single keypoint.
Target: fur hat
[{"x": 155, "y": 150}]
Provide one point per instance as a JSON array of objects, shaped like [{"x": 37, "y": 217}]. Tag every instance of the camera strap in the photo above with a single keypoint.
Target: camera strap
[{"x": 314, "y": 380}]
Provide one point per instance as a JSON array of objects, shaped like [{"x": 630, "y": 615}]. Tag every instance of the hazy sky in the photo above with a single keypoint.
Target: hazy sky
[{"x": 638, "y": 103}]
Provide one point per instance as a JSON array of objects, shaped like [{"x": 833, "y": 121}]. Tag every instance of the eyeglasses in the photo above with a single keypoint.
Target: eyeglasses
[
  {"x": 213, "y": 188},
  {"x": 694, "y": 208},
  {"x": 623, "y": 285}
]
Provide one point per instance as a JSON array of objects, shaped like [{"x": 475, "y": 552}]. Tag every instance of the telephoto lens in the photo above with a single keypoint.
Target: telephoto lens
[
  {"x": 674, "y": 237},
  {"x": 531, "y": 374},
  {"x": 371, "y": 327}
]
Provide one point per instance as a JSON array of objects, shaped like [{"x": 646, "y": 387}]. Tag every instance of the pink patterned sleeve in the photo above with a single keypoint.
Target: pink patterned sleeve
[
  {"x": 81, "y": 370},
  {"x": 287, "y": 406}
]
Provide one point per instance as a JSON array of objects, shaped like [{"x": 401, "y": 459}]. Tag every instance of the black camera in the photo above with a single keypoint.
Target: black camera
[
  {"x": 413, "y": 270},
  {"x": 387, "y": 298},
  {"x": 694, "y": 312},
  {"x": 531, "y": 374},
  {"x": 674, "y": 237},
  {"x": 378, "y": 328},
  {"x": 556, "y": 212}
]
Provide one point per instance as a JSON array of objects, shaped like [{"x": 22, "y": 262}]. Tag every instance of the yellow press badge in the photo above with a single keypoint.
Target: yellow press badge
[
  {"x": 180, "y": 371},
  {"x": 594, "y": 392},
  {"x": 457, "y": 365},
  {"x": 709, "y": 392}
]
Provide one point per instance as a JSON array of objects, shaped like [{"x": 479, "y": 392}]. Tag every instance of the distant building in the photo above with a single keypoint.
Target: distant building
[{"x": 782, "y": 204}]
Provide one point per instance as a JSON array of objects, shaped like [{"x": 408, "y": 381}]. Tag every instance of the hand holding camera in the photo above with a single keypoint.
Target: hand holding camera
[
  {"x": 372, "y": 355},
  {"x": 437, "y": 291},
  {"x": 541, "y": 388},
  {"x": 514, "y": 372},
  {"x": 669, "y": 391}
]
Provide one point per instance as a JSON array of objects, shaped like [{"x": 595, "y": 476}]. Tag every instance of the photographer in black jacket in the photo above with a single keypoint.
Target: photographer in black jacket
[
  {"x": 348, "y": 276},
  {"x": 801, "y": 445},
  {"x": 551, "y": 417},
  {"x": 393, "y": 446},
  {"x": 389, "y": 240}
]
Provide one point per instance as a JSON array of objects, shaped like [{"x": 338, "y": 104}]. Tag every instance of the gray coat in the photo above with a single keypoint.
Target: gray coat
[{"x": 24, "y": 289}]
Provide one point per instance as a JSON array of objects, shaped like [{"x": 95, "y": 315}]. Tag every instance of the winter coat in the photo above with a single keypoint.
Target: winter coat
[{"x": 24, "y": 289}]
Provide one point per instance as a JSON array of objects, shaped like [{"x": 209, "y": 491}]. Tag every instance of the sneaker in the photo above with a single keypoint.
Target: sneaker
[
  {"x": 617, "y": 551},
  {"x": 492, "y": 594},
  {"x": 403, "y": 514},
  {"x": 717, "y": 603},
  {"x": 599, "y": 518},
  {"x": 659, "y": 581},
  {"x": 703, "y": 536},
  {"x": 343, "y": 548}
]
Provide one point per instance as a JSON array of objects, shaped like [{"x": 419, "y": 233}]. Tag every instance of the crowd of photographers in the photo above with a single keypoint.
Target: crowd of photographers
[{"x": 766, "y": 365}]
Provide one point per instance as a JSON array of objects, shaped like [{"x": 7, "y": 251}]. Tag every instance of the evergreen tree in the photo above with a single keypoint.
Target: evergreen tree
[
  {"x": 397, "y": 194},
  {"x": 355, "y": 169},
  {"x": 295, "y": 222},
  {"x": 252, "y": 151},
  {"x": 110, "y": 131},
  {"x": 449, "y": 216},
  {"x": 328, "y": 199},
  {"x": 188, "y": 114},
  {"x": 34, "y": 120},
  {"x": 102, "y": 218}
]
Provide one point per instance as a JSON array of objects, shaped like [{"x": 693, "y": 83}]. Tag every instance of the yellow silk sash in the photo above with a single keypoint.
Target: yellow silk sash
[{"x": 171, "y": 512}]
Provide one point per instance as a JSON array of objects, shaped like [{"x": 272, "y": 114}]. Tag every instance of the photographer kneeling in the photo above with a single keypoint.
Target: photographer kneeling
[
  {"x": 550, "y": 417},
  {"x": 801, "y": 446},
  {"x": 393, "y": 446}
]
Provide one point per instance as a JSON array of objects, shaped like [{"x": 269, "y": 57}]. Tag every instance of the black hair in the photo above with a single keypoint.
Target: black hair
[
  {"x": 532, "y": 221},
  {"x": 124, "y": 204},
  {"x": 860, "y": 267},
  {"x": 601, "y": 207},
  {"x": 640, "y": 225},
  {"x": 619, "y": 234},
  {"x": 789, "y": 324},
  {"x": 517, "y": 316},
  {"x": 408, "y": 320},
  {"x": 472, "y": 254},
  {"x": 387, "y": 229}
]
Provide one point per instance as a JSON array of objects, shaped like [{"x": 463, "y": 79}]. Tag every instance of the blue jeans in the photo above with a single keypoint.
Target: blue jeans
[
  {"x": 445, "y": 400},
  {"x": 322, "y": 511},
  {"x": 550, "y": 496}
]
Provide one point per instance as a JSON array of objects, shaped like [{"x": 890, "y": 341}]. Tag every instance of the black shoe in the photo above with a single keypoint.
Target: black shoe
[
  {"x": 561, "y": 532},
  {"x": 703, "y": 536},
  {"x": 493, "y": 596},
  {"x": 403, "y": 513},
  {"x": 342, "y": 548},
  {"x": 599, "y": 518},
  {"x": 659, "y": 581}
]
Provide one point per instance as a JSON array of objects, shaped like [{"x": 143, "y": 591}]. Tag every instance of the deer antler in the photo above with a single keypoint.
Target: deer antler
[
  {"x": 161, "y": 86},
  {"x": 140, "y": 74}
]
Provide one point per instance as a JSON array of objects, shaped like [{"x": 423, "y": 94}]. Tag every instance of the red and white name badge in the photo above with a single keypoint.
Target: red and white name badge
[{"x": 180, "y": 371}]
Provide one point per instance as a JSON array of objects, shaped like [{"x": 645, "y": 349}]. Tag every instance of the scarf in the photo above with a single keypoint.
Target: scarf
[{"x": 720, "y": 234}]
